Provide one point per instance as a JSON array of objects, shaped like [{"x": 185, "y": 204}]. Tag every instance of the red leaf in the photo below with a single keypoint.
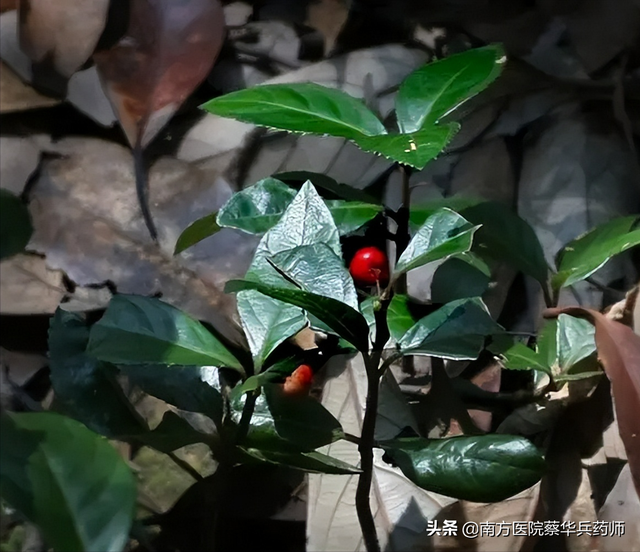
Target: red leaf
[
  {"x": 168, "y": 49},
  {"x": 619, "y": 352}
]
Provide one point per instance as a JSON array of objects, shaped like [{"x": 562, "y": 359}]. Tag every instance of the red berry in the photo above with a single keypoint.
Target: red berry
[
  {"x": 368, "y": 266},
  {"x": 299, "y": 382}
]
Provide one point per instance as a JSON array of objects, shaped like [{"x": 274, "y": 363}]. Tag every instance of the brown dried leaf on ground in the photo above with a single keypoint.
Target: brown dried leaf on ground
[
  {"x": 61, "y": 35},
  {"x": 15, "y": 95},
  {"x": 167, "y": 51},
  {"x": 619, "y": 352},
  {"x": 501, "y": 515},
  {"x": 87, "y": 224}
]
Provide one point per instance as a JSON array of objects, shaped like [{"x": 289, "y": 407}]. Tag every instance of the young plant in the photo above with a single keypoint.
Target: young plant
[{"x": 258, "y": 399}]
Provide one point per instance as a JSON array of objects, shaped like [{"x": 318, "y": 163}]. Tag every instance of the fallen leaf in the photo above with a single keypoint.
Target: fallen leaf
[
  {"x": 15, "y": 95},
  {"x": 619, "y": 352},
  {"x": 87, "y": 224},
  {"x": 166, "y": 52},
  {"x": 622, "y": 505},
  {"x": 401, "y": 510},
  {"x": 28, "y": 286},
  {"x": 61, "y": 35}
]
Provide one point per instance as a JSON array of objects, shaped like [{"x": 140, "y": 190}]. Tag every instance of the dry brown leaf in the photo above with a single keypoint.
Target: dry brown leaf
[
  {"x": 87, "y": 223},
  {"x": 623, "y": 505},
  {"x": 619, "y": 352},
  {"x": 61, "y": 35},
  {"x": 521, "y": 507},
  {"x": 15, "y": 95},
  {"x": 28, "y": 286},
  {"x": 167, "y": 51}
]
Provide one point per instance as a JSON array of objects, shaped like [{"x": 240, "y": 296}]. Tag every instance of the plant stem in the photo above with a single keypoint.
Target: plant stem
[
  {"x": 365, "y": 448},
  {"x": 374, "y": 373}
]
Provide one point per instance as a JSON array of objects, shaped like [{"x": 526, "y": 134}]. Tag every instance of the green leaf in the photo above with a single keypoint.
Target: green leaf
[
  {"x": 196, "y": 232},
  {"x": 144, "y": 330},
  {"x": 578, "y": 376},
  {"x": 299, "y": 107},
  {"x": 268, "y": 322},
  {"x": 68, "y": 481},
  {"x": 517, "y": 356},
  {"x": 301, "y": 419},
  {"x": 342, "y": 319},
  {"x": 191, "y": 388},
  {"x": 317, "y": 269},
  {"x": 506, "y": 236},
  {"x": 546, "y": 345},
  {"x": 86, "y": 388},
  {"x": 257, "y": 208},
  {"x": 284, "y": 423},
  {"x": 351, "y": 215},
  {"x": 399, "y": 317},
  {"x": 583, "y": 256},
  {"x": 172, "y": 433},
  {"x": 456, "y": 331},
  {"x": 575, "y": 338},
  {"x": 332, "y": 188},
  {"x": 433, "y": 91},
  {"x": 486, "y": 468},
  {"x": 457, "y": 279},
  {"x": 310, "y": 462},
  {"x": 278, "y": 372},
  {"x": 15, "y": 224},
  {"x": 421, "y": 212},
  {"x": 415, "y": 149},
  {"x": 443, "y": 234}
]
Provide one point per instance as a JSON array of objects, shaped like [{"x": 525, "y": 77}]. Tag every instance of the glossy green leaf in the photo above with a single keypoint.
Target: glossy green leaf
[
  {"x": 351, "y": 215},
  {"x": 191, "y": 388},
  {"x": 517, "y": 356},
  {"x": 421, "y": 212},
  {"x": 583, "y": 256},
  {"x": 486, "y": 468},
  {"x": 399, "y": 317},
  {"x": 578, "y": 376},
  {"x": 342, "y": 319},
  {"x": 86, "y": 388},
  {"x": 301, "y": 419},
  {"x": 144, "y": 330},
  {"x": 331, "y": 188},
  {"x": 443, "y": 234},
  {"x": 196, "y": 232},
  {"x": 299, "y": 107},
  {"x": 506, "y": 236},
  {"x": 317, "y": 269},
  {"x": 172, "y": 433},
  {"x": 278, "y": 372},
  {"x": 310, "y": 462},
  {"x": 15, "y": 224},
  {"x": 415, "y": 149},
  {"x": 257, "y": 208},
  {"x": 67, "y": 480},
  {"x": 456, "y": 331},
  {"x": 284, "y": 423},
  {"x": 268, "y": 322},
  {"x": 457, "y": 279},
  {"x": 575, "y": 339},
  {"x": 546, "y": 345},
  {"x": 434, "y": 90}
]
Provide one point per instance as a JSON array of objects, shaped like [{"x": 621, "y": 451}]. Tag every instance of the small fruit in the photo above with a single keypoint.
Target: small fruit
[
  {"x": 368, "y": 266},
  {"x": 299, "y": 382}
]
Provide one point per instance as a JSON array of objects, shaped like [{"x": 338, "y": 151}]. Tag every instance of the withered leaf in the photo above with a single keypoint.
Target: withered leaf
[
  {"x": 619, "y": 352},
  {"x": 166, "y": 52},
  {"x": 62, "y": 34}
]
